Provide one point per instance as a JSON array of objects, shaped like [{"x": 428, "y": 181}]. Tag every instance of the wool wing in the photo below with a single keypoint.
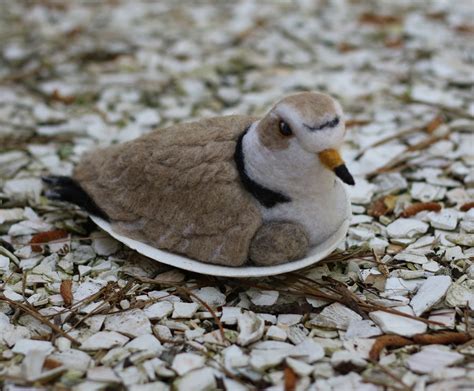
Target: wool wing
[{"x": 178, "y": 189}]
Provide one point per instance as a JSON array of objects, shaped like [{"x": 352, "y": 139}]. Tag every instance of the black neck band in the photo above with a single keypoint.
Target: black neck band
[{"x": 268, "y": 198}]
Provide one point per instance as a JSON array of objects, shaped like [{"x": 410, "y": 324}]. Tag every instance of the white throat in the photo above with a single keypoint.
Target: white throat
[{"x": 292, "y": 171}]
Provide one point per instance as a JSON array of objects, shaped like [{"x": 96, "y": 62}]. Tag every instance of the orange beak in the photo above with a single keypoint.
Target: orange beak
[{"x": 332, "y": 160}]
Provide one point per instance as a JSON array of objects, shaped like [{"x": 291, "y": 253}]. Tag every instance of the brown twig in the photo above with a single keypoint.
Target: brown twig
[
  {"x": 441, "y": 338},
  {"x": 382, "y": 267},
  {"x": 39, "y": 317},
  {"x": 417, "y": 207},
  {"x": 389, "y": 373},
  {"x": 386, "y": 341},
  {"x": 189, "y": 293}
]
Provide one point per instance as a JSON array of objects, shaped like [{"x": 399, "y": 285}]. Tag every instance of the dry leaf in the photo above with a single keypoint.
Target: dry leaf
[
  {"x": 382, "y": 206},
  {"x": 442, "y": 338},
  {"x": 377, "y": 19},
  {"x": 290, "y": 379},
  {"x": 356, "y": 122},
  {"x": 412, "y": 210},
  {"x": 67, "y": 100},
  {"x": 386, "y": 341},
  {"x": 434, "y": 124},
  {"x": 66, "y": 292},
  {"x": 51, "y": 363},
  {"x": 467, "y": 206},
  {"x": 46, "y": 237}
]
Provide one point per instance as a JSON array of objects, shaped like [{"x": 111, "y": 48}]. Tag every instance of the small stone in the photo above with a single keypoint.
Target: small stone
[
  {"x": 431, "y": 266},
  {"x": 195, "y": 333},
  {"x": 251, "y": 328},
  {"x": 62, "y": 343},
  {"x": 430, "y": 293},
  {"x": 453, "y": 254},
  {"x": 459, "y": 296},
  {"x": 186, "y": 362},
  {"x": 132, "y": 323},
  {"x": 104, "y": 340},
  {"x": 159, "y": 310},
  {"x": 336, "y": 316},
  {"x": 262, "y": 298},
  {"x": 104, "y": 245},
  {"x": 432, "y": 359},
  {"x": 184, "y": 310},
  {"x": 213, "y": 297},
  {"x": 230, "y": 314},
  {"x": 396, "y": 324},
  {"x": 462, "y": 239},
  {"x": 234, "y": 357},
  {"x": 425, "y": 192},
  {"x": 362, "y": 192},
  {"x": 24, "y": 188},
  {"x": 199, "y": 380},
  {"x": 406, "y": 228},
  {"x": 309, "y": 350},
  {"x": 147, "y": 117},
  {"x": 447, "y": 219},
  {"x": 364, "y": 328},
  {"x": 412, "y": 257},
  {"x": 445, "y": 316},
  {"x": 32, "y": 364},
  {"x": 288, "y": 319},
  {"x": 73, "y": 359},
  {"x": 25, "y": 346},
  {"x": 299, "y": 367},
  {"x": 276, "y": 333},
  {"x": 146, "y": 342},
  {"x": 344, "y": 358},
  {"x": 102, "y": 374},
  {"x": 4, "y": 264}
]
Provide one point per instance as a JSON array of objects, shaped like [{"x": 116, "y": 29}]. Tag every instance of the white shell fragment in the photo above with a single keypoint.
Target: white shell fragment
[
  {"x": 25, "y": 346},
  {"x": 159, "y": 310},
  {"x": 184, "y": 310},
  {"x": 397, "y": 324},
  {"x": 336, "y": 316},
  {"x": 251, "y": 328},
  {"x": 433, "y": 358},
  {"x": 131, "y": 323},
  {"x": 185, "y": 362},
  {"x": 406, "y": 228},
  {"x": 104, "y": 340},
  {"x": 431, "y": 292}
]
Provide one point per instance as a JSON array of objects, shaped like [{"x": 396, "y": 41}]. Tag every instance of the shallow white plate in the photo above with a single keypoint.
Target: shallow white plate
[{"x": 316, "y": 254}]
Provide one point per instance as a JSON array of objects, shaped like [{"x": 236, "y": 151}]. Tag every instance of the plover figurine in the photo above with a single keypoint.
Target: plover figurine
[{"x": 230, "y": 190}]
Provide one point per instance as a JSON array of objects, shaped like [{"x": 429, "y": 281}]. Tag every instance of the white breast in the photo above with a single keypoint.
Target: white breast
[{"x": 321, "y": 214}]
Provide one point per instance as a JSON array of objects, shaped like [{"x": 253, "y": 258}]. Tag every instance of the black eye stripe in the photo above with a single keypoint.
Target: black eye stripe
[{"x": 329, "y": 124}]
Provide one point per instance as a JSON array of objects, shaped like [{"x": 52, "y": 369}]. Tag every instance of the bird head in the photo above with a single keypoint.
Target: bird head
[{"x": 313, "y": 123}]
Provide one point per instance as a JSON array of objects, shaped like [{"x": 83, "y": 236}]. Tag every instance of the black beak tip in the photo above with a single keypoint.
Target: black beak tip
[{"x": 343, "y": 173}]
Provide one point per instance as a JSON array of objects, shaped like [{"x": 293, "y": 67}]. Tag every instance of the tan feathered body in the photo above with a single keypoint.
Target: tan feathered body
[{"x": 178, "y": 189}]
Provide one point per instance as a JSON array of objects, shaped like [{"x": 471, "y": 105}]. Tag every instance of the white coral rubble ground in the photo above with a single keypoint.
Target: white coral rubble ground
[{"x": 84, "y": 313}]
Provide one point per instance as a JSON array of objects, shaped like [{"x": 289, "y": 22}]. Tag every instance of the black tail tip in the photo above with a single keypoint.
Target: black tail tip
[
  {"x": 343, "y": 173},
  {"x": 66, "y": 189}
]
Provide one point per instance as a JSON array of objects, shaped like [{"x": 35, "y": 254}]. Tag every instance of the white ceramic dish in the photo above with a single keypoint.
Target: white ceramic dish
[{"x": 316, "y": 254}]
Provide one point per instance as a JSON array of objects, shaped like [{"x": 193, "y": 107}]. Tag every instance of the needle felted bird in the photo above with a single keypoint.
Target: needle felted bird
[{"x": 225, "y": 190}]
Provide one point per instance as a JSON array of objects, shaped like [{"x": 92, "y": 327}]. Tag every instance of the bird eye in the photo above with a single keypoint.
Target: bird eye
[{"x": 285, "y": 129}]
